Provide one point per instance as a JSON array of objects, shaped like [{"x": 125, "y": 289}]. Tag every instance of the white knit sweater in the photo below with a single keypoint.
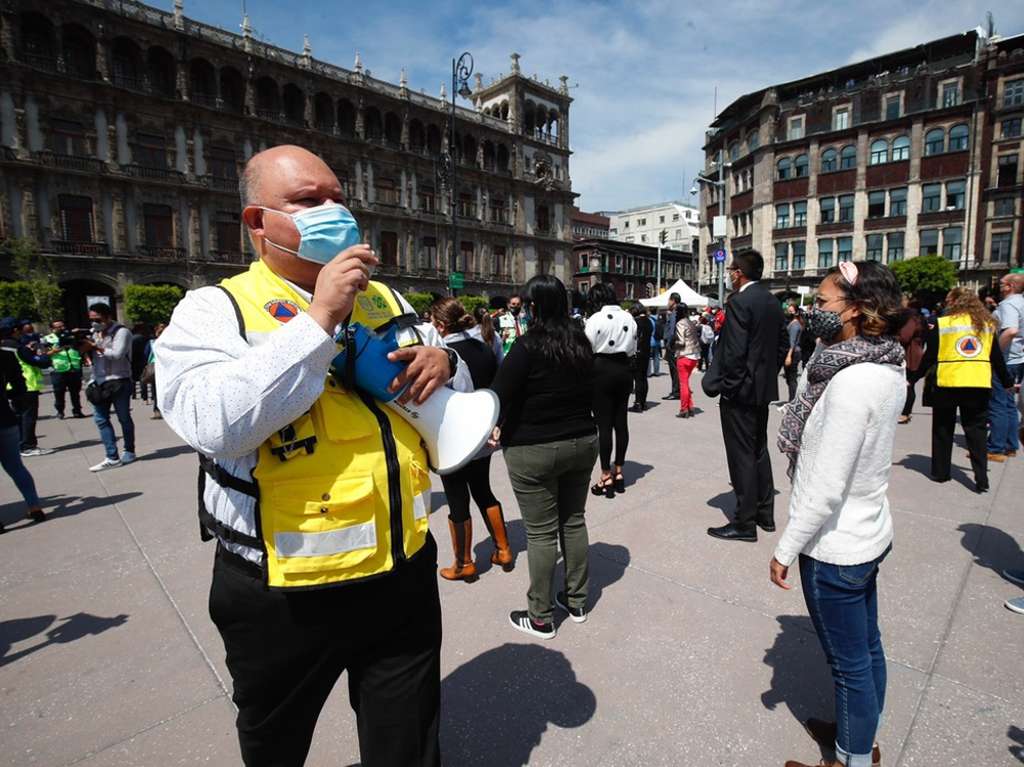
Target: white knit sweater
[{"x": 838, "y": 509}]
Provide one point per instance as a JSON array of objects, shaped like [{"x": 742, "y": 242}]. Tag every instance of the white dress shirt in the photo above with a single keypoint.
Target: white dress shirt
[
  {"x": 612, "y": 331},
  {"x": 224, "y": 397}
]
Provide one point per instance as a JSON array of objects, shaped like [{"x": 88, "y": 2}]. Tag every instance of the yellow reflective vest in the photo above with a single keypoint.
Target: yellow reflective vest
[
  {"x": 341, "y": 493},
  {"x": 964, "y": 359}
]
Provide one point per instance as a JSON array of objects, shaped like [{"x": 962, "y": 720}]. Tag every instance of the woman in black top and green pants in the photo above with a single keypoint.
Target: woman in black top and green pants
[{"x": 547, "y": 430}]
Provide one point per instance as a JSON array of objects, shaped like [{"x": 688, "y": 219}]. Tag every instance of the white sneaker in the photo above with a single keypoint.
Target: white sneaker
[
  {"x": 34, "y": 451},
  {"x": 107, "y": 463},
  {"x": 127, "y": 457}
]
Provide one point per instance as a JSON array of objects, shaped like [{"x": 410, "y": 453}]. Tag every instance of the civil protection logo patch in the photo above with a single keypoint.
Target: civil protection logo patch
[
  {"x": 968, "y": 347},
  {"x": 281, "y": 309}
]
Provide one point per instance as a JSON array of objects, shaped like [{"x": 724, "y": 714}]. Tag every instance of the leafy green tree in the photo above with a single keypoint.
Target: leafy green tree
[
  {"x": 16, "y": 299},
  {"x": 38, "y": 296},
  {"x": 472, "y": 303},
  {"x": 420, "y": 301},
  {"x": 925, "y": 276},
  {"x": 151, "y": 303}
]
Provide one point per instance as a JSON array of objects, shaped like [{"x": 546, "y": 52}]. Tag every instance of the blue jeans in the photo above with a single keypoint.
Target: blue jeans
[
  {"x": 121, "y": 402},
  {"x": 1003, "y": 416},
  {"x": 10, "y": 458},
  {"x": 843, "y": 604},
  {"x": 654, "y": 366}
]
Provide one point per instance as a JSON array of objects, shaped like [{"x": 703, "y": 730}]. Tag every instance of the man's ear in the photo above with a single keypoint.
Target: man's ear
[{"x": 252, "y": 216}]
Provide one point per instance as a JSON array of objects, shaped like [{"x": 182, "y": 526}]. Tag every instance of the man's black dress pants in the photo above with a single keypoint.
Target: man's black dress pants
[{"x": 745, "y": 431}]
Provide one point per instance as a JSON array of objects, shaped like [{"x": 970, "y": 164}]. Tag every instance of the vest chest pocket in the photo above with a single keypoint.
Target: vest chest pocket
[{"x": 345, "y": 417}]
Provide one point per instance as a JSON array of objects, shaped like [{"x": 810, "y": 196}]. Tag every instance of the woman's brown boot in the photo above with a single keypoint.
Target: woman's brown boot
[
  {"x": 502, "y": 552},
  {"x": 463, "y": 568}
]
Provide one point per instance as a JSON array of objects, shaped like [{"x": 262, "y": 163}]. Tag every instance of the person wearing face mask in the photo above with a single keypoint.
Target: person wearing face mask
[
  {"x": 838, "y": 435},
  {"x": 110, "y": 352},
  {"x": 316, "y": 494},
  {"x": 512, "y": 324},
  {"x": 744, "y": 370}
]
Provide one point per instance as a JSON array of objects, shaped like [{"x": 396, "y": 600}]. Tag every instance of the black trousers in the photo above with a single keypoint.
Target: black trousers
[
  {"x": 70, "y": 384},
  {"x": 704, "y": 349},
  {"x": 673, "y": 372},
  {"x": 285, "y": 651},
  {"x": 613, "y": 381},
  {"x": 28, "y": 415},
  {"x": 792, "y": 373},
  {"x": 745, "y": 430},
  {"x": 973, "y": 407},
  {"x": 908, "y": 406},
  {"x": 472, "y": 479},
  {"x": 640, "y": 383}
]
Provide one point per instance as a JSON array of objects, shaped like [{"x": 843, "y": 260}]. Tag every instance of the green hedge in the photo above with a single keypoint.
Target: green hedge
[
  {"x": 151, "y": 303},
  {"x": 38, "y": 300},
  {"x": 421, "y": 302}
]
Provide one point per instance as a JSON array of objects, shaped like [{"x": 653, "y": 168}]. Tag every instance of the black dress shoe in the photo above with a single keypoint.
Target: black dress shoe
[
  {"x": 768, "y": 527},
  {"x": 732, "y": 533},
  {"x": 938, "y": 479},
  {"x": 671, "y": 396},
  {"x": 637, "y": 409}
]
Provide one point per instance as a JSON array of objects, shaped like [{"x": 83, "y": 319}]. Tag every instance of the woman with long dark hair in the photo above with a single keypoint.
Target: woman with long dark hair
[
  {"x": 612, "y": 334},
  {"x": 484, "y": 330},
  {"x": 474, "y": 479},
  {"x": 838, "y": 433},
  {"x": 548, "y": 433}
]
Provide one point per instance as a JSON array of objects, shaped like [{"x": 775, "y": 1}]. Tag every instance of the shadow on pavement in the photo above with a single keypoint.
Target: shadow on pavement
[
  {"x": 166, "y": 452},
  {"x": 74, "y": 627},
  {"x": 922, "y": 464},
  {"x": 633, "y": 472},
  {"x": 497, "y": 707},
  {"x": 57, "y": 506},
  {"x": 514, "y": 528},
  {"x": 800, "y": 675},
  {"x": 992, "y": 548},
  {"x": 1016, "y": 734},
  {"x": 725, "y": 503},
  {"x": 76, "y": 445}
]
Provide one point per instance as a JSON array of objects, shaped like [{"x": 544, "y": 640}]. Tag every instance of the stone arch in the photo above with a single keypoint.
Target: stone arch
[
  {"x": 78, "y": 285},
  {"x": 323, "y": 111},
  {"x": 294, "y": 104},
  {"x": 126, "y": 63},
  {"x": 469, "y": 147},
  {"x": 232, "y": 90},
  {"x": 373, "y": 124},
  {"x": 162, "y": 71},
  {"x": 417, "y": 136},
  {"x": 346, "y": 117},
  {"x": 79, "y": 49},
  {"x": 530, "y": 117},
  {"x": 268, "y": 98},
  {"x": 392, "y": 129},
  {"x": 38, "y": 39},
  {"x": 503, "y": 159},
  {"x": 552, "y": 124},
  {"x": 202, "y": 82},
  {"x": 490, "y": 156},
  {"x": 433, "y": 140}
]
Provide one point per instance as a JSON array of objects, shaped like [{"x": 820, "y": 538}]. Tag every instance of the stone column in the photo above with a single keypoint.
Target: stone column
[
  {"x": 405, "y": 130},
  {"x": 102, "y": 136},
  {"x": 102, "y": 62},
  {"x": 8, "y": 121},
  {"x": 360, "y": 120}
]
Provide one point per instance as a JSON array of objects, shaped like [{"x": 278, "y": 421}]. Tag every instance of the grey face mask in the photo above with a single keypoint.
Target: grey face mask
[{"x": 824, "y": 324}]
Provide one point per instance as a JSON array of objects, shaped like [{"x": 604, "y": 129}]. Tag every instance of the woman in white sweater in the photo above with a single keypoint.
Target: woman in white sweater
[{"x": 838, "y": 433}]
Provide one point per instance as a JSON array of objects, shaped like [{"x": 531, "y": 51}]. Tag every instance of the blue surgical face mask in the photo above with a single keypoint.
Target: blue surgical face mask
[{"x": 324, "y": 232}]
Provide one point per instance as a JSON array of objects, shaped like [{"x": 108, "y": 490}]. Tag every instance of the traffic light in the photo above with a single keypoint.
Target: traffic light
[{"x": 663, "y": 237}]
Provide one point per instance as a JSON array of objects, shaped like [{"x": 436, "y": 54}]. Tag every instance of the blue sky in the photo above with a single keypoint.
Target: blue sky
[{"x": 643, "y": 73}]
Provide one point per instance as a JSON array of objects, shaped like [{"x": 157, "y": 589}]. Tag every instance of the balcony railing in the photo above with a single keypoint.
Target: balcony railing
[
  {"x": 208, "y": 100},
  {"x": 131, "y": 82},
  {"x": 44, "y": 61},
  {"x": 467, "y": 210},
  {"x": 221, "y": 183},
  {"x": 77, "y": 248},
  {"x": 161, "y": 253},
  {"x": 70, "y": 162},
  {"x": 159, "y": 174},
  {"x": 227, "y": 256},
  {"x": 274, "y": 115},
  {"x": 8, "y": 154}
]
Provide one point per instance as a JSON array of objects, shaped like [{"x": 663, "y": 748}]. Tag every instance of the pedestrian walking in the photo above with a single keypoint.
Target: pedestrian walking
[
  {"x": 612, "y": 335},
  {"x": 745, "y": 372},
  {"x": 642, "y": 358},
  {"x": 474, "y": 479},
  {"x": 962, "y": 360},
  {"x": 110, "y": 352},
  {"x": 687, "y": 357},
  {"x": 791, "y": 365},
  {"x": 912, "y": 333},
  {"x": 670, "y": 346},
  {"x": 12, "y": 386},
  {"x": 550, "y": 442},
  {"x": 838, "y": 435}
]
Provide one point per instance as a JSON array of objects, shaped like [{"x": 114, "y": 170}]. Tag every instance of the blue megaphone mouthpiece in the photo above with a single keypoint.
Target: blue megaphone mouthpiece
[{"x": 373, "y": 371}]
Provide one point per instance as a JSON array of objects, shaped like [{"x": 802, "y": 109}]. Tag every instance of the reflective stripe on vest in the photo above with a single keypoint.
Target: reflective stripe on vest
[
  {"x": 343, "y": 490},
  {"x": 964, "y": 358}
]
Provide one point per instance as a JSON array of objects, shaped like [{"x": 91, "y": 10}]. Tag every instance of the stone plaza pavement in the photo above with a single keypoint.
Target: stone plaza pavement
[{"x": 690, "y": 656}]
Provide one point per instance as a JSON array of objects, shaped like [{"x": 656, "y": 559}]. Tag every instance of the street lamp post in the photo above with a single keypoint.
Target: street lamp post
[
  {"x": 719, "y": 184},
  {"x": 462, "y": 69}
]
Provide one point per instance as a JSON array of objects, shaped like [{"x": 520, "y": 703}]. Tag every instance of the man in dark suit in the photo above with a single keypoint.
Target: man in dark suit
[
  {"x": 669, "y": 340},
  {"x": 745, "y": 372}
]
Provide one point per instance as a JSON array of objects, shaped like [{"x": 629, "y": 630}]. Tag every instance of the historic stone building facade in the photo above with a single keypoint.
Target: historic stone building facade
[
  {"x": 123, "y": 130},
  {"x": 630, "y": 268},
  {"x": 915, "y": 152}
]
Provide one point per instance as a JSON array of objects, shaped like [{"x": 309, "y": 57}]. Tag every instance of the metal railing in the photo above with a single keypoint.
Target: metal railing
[
  {"x": 70, "y": 162},
  {"x": 208, "y": 100},
  {"x": 131, "y": 82},
  {"x": 161, "y": 253},
  {"x": 228, "y": 256},
  {"x": 158, "y": 174},
  {"x": 79, "y": 248},
  {"x": 44, "y": 61},
  {"x": 221, "y": 183}
]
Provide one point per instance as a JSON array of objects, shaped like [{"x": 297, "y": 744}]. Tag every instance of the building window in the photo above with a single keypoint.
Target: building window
[
  {"x": 229, "y": 234},
  {"x": 895, "y": 246},
  {"x": 929, "y": 242},
  {"x": 428, "y": 253},
  {"x": 1007, "y": 170},
  {"x": 952, "y": 238},
  {"x": 149, "y": 151},
  {"x": 901, "y": 148},
  {"x": 661, "y": 219},
  {"x": 679, "y": 234},
  {"x": 931, "y": 198},
  {"x": 879, "y": 152},
  {"x": 734, "y": 151},
  {"x": 958, "y": 138},
  {"x": 800, "y": 213},
  {"x": 874, "y": 247},
  {"x": 799, "y": 255},
  {"x": 934, "y": 142},
  {"x": 1000, "y": 251},
  {"x": 753, "y": 140},
  {"x": 500, "y": 261},
  {"x": 625, "y": 224},
  {"x": 1011, "y": 128},
  {"x": 951, "y": 93},
  {"x": 892, "y": 106},
  {"x": 69, "y": 138},
  {"x": 828, "y": 209},
  {"x": 75, "y": 218},
  {"x": 427, "y": 198},
  {"x": 846, "y": 208},
  {"x": 618, "y": 262},
  {"x": 801, "y": 166},
  {"x": 782, "y": 216},
  {"x": 643, "y": 238},
  {"x": 876, "y": 204},
  {"x": 845, "y": 248},
  {"x": 641, "y": 222},
  {"x": 848, "y": 157},
  {"x": 825, "y": 253},
  {"x": 829, "y": 160},
  {"x": 1013, "y": 93},
  {"x": 1004, "y": 206},
  {"x": 221, "y": 163},
  {"x": 781, "y": 256},
  {"x": 955, "y": 196},
  {"x": 785, "y": 168},
  {"x": 841, "y": 118},
  {"x": 796, "y": 128},
  {"x": 388, "y": 193},
  {"x": 898, "y": 201},
  {"x": 158, "y": 222},
  {"x": 499, "y": 211}
]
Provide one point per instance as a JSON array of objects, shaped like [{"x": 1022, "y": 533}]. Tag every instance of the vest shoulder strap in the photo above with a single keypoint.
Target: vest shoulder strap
[{"x": 237, "y": 309}]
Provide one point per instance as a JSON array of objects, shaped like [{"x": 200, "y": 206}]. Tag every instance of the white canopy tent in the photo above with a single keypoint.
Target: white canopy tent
[{"x": 688, "y": 295}]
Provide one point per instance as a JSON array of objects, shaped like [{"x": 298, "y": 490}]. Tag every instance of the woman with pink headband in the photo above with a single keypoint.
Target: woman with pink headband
[{"x": 838, "y": 433}]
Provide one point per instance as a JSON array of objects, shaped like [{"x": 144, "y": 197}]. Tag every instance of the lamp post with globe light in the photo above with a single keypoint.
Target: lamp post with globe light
[{"x": 462, "y": 69}]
